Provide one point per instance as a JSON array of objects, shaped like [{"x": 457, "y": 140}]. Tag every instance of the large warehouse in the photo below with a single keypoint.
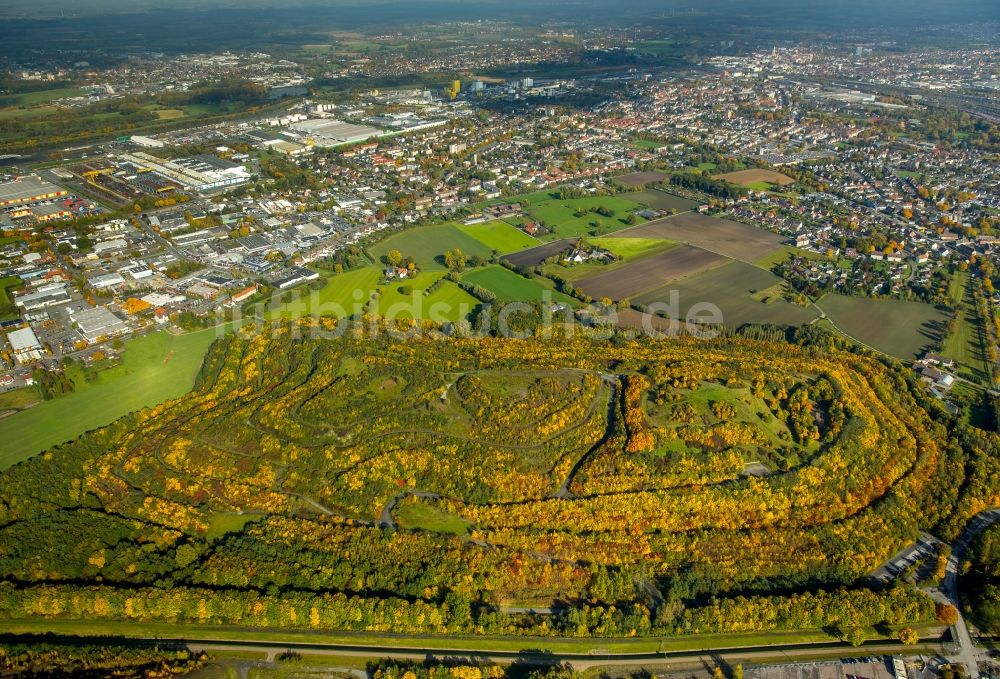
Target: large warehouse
[
  {"x": 97, "y": 323},
  {"x": 329, "y": 132},
  {"x": 25, "y": 345},
  {"x": 27, "y": 190},
  {"x": 204, "y": 174}
]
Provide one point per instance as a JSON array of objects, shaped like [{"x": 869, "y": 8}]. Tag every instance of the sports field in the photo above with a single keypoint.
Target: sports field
[
  {"x": 153, "y": 369},
  {"x": 426, "y": 243},
  {"x": 650, "y": 273},
  {"x": 509, "y": 286},
  {"x": 661, "y": 200},
  {"x": 735, "y": 289},
  {"x": 751, "y": 177},
  {"x": 731, "y": 239},
  {"x": 899, "y": 328},
  {"x": 499, "y": 236}
]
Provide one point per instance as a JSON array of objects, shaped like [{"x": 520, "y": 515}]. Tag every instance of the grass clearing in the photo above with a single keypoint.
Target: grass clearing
[
  {"x": 499, "y": 236},
  {"x": 424, "y": 516},
  {"x": 169, "y": 113},
  {"x": 153, "y": 369},
  {"x": 896, "y": 327},
  {"x": 222, "y": 523}
]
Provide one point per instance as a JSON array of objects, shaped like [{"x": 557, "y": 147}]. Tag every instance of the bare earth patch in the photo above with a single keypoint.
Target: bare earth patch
[
  {"x": 535, "y": 256},
  {"x": 651, "y": 272},
  {"x": 722, "y": 236},
  {"x": 641, "y": 178}
]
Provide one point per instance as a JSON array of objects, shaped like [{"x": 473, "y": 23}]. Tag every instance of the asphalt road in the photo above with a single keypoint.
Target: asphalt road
[{"x": 580, "y": 661}]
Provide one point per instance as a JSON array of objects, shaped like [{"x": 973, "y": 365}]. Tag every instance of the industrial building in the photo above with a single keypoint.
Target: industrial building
[
  {"x": 329, "y": 132},
  {"x": 49, "y": 295},
  {"x": 204, "y": 174},
  {"x": 25, "y": 345},
  {"x": 295, "y": 276},
  {"x": 94, "y": 324},
  {"x": 27, "y": 190}
]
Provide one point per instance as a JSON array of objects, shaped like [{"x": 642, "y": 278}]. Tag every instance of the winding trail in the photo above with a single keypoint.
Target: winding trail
[{"x": 564, "y": 492}]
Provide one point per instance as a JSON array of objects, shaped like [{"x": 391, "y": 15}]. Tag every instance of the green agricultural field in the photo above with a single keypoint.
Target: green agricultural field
[
  {"x": 427, "y": 243},
  {"x": 735, "y": 289},
  {"x": 509, "y": 286},
  {"x": 964, "y": 344},
  {"x": 345, "y": 294},
  {"x": 899, "y": 328},
  {"x": 631, "y": 249},
  {"x": 560, "y": 215},
  {"x": 499, "y": 236},
  {"x": 153, "y": 369}
]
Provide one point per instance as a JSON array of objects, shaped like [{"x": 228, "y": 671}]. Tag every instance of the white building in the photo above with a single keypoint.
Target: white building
[
  {"x": 94, "y": 324},
  {"x": 25, "y": 345}
]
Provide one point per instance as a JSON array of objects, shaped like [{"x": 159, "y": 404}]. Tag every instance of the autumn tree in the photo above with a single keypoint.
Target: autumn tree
[{"x": 947, "y": 614}]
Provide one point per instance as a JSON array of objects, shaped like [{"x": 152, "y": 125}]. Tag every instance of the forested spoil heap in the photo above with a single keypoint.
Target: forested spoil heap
[{"x": 419, "y": 485}]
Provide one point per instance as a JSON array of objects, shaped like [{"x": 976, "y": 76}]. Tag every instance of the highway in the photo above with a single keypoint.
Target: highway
[{"x": 579, "y": 661}]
